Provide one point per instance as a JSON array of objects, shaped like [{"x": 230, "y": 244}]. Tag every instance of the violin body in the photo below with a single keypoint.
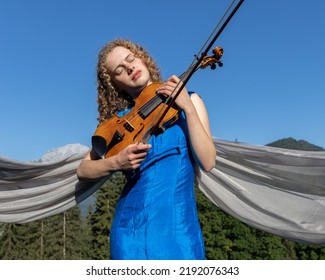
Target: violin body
[{"x": 116, "y": 133}]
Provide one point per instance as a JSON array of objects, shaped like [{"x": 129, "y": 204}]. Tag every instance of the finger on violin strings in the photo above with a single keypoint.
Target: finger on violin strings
[
  {"x": 164, "y": 91},
  {"x": 174, "y": 79},
  {"x": 166, "y": 87}
]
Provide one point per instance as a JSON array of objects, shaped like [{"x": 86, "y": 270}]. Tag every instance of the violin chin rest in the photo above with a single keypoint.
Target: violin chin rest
[{"x": 99, "y": 146}]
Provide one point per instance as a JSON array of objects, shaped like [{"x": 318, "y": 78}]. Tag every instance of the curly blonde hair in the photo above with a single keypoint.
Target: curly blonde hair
[{"x": 110, "y": 99}]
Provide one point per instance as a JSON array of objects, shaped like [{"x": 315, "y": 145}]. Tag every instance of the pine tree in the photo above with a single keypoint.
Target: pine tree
[
  {"x": 100, "y": 226},
  {"x": 30, "y": 240},
  {"x": 72, "y": 234},
  {"x": 8, "y": 241},
  {"x": 309, "y": 252},
  {"x": 270, "y": 247},
  {"x": 243, "y": 238},
  {"x": 87, "y": 237},
  {"x": 102, "y": 217},
  {"x": 53, "y": 241},
  {"x": 211, "y": 224}
]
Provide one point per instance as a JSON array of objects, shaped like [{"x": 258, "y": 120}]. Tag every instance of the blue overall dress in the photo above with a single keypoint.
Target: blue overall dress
[{"x": 156, "y": 216}]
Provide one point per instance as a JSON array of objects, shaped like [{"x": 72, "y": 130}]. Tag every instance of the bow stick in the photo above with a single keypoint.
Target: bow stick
[{"x": 192, "y": 69}]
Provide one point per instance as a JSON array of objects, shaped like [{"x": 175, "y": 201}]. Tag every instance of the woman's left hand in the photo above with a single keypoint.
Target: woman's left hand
[
  {"x": 197, "y": 122},
  {"x": 169, "y": 88}
]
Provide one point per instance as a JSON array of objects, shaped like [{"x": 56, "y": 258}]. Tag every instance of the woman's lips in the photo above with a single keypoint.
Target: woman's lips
[{"x": 136, "y": 75}]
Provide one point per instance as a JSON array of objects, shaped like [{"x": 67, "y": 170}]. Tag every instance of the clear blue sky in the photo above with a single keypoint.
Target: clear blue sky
[{"x": 272, "y": 84}]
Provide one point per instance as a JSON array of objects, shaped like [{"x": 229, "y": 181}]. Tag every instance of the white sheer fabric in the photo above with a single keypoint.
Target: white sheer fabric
[{"x": 279, "y": 191}]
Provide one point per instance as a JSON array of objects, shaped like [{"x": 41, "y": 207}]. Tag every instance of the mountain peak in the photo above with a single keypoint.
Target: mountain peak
[
  {"x": 63, "y": 152},
  {"x": 293, "y": 144}
]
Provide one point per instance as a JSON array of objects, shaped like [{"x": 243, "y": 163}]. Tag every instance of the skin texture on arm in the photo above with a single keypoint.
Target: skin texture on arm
[
  {"x": 200, "y": 135},
  {"x": 129, "y": 158},
  {"x": 197, "y": 122}
]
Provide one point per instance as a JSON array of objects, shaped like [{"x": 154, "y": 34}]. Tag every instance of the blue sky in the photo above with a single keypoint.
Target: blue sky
[{"x": 271, "y": 86}]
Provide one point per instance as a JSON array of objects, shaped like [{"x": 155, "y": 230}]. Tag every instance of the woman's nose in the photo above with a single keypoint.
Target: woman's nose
[{"x": 130, "y": 69}]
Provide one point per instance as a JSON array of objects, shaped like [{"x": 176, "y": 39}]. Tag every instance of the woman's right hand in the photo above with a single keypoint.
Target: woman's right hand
[{"x": 131, "y": 156}]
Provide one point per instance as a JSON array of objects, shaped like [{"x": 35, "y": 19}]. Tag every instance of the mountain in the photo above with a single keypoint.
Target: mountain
[
  {"x": 293, "y": 144},
  {"x": 63, "y": 152}
]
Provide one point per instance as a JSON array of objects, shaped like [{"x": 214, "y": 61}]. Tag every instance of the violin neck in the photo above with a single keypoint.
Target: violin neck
[{"x": 185, "y": 74}]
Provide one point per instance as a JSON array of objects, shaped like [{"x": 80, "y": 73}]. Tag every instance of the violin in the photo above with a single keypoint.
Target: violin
[{"x": 150, "y": 113}]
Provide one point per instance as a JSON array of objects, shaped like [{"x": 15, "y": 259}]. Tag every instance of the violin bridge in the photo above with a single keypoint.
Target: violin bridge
[{"x": 128, "y": 126}]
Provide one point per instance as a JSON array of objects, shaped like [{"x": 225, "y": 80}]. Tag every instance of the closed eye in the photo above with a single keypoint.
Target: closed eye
[
  {"x": 130, "y": 58},
  {"x": 119, "y": 69}
]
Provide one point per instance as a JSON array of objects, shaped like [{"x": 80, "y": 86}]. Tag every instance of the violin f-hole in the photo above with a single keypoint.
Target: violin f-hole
[{"x": 135, "y": 137}]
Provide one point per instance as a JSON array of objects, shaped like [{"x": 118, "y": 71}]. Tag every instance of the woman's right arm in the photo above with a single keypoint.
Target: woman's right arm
[{"x": 129, "y": 158}]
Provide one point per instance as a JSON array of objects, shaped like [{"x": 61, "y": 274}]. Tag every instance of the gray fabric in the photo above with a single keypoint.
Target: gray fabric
[
  {"x": 35, "y": 190},
  {"x": 276, "y": 190},
  {"x": 279, "y": 191}
]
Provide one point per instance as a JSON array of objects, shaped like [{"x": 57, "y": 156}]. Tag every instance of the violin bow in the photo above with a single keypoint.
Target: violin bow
[{"x": 194, "y": 67}]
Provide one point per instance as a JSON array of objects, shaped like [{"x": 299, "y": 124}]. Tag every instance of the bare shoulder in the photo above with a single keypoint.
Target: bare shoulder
[{"x": 197, "y": 102}]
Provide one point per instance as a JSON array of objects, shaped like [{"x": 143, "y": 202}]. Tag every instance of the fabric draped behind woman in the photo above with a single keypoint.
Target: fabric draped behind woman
[
  {"x": 33, "y": 190},
  {"x": 276, "y": 190}
]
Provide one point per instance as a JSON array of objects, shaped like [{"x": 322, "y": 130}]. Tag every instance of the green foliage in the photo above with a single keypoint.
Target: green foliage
[
  {"x": 101, "y": 219},
  {"x": 30, "y": 241},
  {"x": 87, "y": 236},
  {"x": 54, "y": 238},
  {"x": 309, "y": 252},
  {"x": 270, "y": 247},
  {"x": 9, "y": 242},
  {"x": 227, "y": 238},
  {"x": 73, "y": 234}
]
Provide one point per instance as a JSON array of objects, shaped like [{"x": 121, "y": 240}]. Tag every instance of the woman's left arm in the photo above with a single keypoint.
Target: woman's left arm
[
  {"x": 197, "y": 122},
  {"x": 199, "y": 131}
]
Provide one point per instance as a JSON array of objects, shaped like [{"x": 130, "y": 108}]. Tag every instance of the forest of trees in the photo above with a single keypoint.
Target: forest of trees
[{"x": 71, "y": 235}]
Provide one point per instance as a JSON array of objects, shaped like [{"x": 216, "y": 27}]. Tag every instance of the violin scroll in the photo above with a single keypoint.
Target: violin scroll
[{"x": 212, "y": 60}]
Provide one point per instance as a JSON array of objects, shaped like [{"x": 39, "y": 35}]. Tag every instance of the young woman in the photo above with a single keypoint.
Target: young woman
[{"x": 156, "y": 216}]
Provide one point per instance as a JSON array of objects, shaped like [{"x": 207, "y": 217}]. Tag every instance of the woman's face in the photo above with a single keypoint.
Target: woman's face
[{"x": 127, "y": 71}]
